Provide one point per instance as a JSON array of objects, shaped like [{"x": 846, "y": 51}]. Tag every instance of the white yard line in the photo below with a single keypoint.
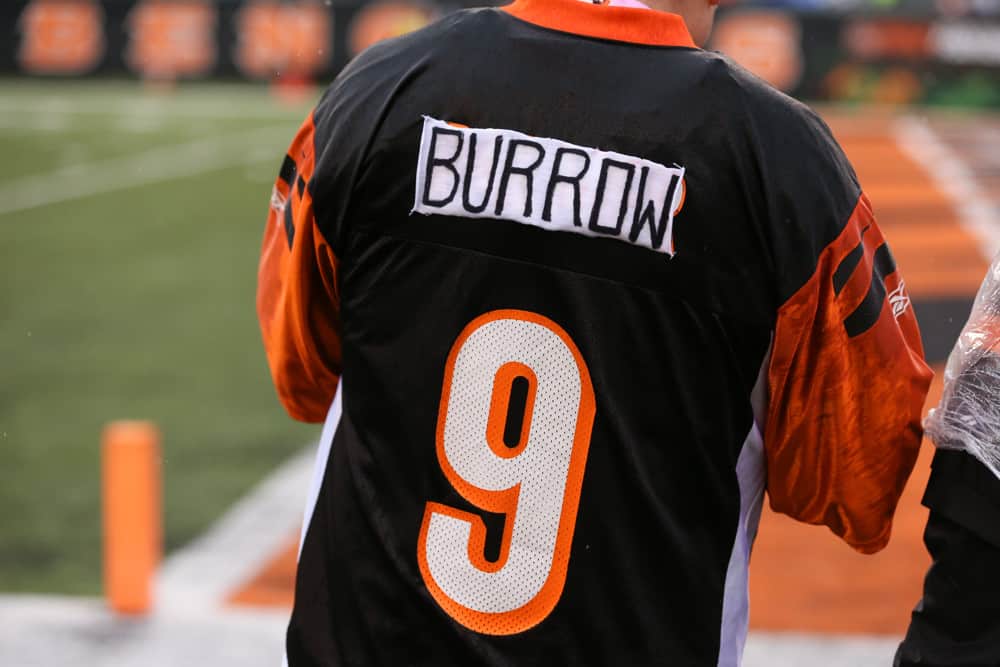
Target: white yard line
[
  {"x": 236, "y": 547},
  {"x": 240, "y": 107},
  {"x": 152, "y": 166},
  {"x": 36, "y": 123},
  {"x": 795, "y": 649},
  {"x": 62, "y": 631},
  {"x": 976, "y": 213}
]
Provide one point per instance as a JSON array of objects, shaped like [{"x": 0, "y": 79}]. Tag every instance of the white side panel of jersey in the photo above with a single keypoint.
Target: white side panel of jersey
[
  {"x": 319, "y": 469},
  {"x": 751, "y": 472},
  {"x": 322, "y": 456}
]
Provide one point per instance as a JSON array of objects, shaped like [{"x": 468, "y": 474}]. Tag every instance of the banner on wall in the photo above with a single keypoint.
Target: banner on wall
[
  {"x": 168, "y": 40},
  {"x": 882, "y": 58},
  {"x": 197, "y": 39},
  {"x": 295, "y": 40},
  {"x": 60, "y": 37}
]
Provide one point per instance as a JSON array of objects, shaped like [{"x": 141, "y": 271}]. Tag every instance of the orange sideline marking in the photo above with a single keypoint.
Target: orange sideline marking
[{"x": 274, "y": 584}]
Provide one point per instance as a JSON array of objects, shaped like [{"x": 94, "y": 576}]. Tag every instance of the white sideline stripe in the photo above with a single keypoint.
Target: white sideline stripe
[
  {"x": 793, "y": 649},
  {"x": 63, "y": 631},
  {"x": 976, "y": 213},
  {"x": 237, "y": 108},
  {"x": 152, "y": 166},
  {"x": 233, "y": 549}
]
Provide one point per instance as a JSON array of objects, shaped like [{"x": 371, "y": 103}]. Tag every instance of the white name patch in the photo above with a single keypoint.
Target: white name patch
[{"x": 546, "y": 183}]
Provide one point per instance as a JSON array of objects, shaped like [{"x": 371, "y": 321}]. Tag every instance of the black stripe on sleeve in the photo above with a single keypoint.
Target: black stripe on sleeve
[
  {"x": 884, "y": 264},
  {"x": 289, "y": 223},
  {"x": 847, "y": 265},
  {"x": 866, "y": 314},
  {"x": 288, "y": 170}
]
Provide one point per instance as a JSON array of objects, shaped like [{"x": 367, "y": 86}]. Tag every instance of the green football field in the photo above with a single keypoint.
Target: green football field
[{"x": 130, "y": 223}]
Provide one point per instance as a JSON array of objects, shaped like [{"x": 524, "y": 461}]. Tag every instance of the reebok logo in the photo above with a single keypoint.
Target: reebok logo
[{"x": 899, "y": 300}]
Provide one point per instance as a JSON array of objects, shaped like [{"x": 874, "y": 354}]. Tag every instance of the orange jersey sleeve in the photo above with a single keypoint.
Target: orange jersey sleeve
[
  {"x": 298, "y": 303},
  {"x": 847, "y": 383}
]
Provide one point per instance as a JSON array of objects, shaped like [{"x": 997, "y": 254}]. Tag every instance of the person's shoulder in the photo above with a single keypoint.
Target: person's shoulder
[
  {"x": 772, "y": 114},
  {"x": 380, "y": 68},
  {"x": 464, "y": 25},
  {"x": 793, "y": 143},
  {"x": 789, "y": 153}
]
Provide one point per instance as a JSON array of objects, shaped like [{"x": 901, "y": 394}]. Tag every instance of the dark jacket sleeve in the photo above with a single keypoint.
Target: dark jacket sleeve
[{"x": 958, "y": 620}]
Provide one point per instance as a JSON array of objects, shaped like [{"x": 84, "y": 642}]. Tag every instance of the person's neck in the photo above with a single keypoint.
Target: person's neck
[
  {"x": 634, "y": 4},
  {"x": 698, "y": 15},
  {"x": 662, "y": 6}
]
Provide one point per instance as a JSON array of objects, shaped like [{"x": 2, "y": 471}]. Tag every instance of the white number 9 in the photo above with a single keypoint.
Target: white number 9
[{"x": 536, "y": 483}]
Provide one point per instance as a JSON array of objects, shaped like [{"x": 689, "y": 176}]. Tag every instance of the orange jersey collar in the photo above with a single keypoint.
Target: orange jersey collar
[{"x": 620, "y": 24}]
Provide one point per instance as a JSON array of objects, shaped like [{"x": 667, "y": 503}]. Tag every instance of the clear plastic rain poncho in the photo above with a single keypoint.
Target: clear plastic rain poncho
[{"x": 968, "y": 416}]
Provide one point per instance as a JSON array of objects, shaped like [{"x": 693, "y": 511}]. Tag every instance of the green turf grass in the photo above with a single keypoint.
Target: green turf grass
[{"x": 138, "y": 303}]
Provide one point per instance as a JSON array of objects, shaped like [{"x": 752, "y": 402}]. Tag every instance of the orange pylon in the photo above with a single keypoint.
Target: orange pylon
[{"x": 133, "y": 530}]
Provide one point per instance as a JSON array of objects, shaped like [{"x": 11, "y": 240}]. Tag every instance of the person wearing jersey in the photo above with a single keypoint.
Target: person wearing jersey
[{"x": 570, "y": 294}]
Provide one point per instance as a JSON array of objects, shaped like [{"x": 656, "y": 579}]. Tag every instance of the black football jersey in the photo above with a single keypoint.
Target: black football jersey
[{"x": 571, "y": 294}]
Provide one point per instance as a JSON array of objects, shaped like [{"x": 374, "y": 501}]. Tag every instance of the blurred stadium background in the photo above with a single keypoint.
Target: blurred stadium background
[{"x": 140, "y": 139}]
